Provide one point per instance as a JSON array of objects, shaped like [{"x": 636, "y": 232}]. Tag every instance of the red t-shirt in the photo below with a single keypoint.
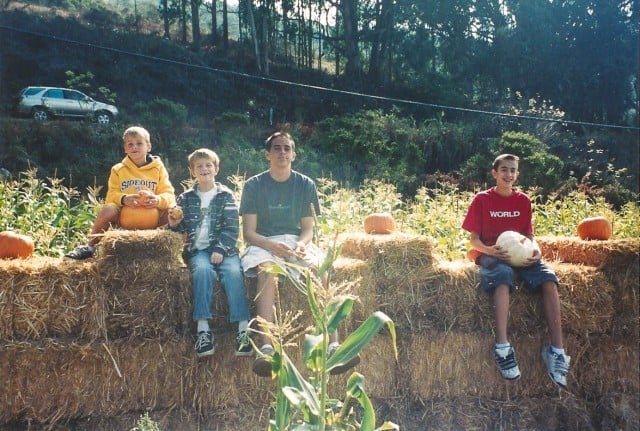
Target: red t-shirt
[{"x": 491, "y": 214}]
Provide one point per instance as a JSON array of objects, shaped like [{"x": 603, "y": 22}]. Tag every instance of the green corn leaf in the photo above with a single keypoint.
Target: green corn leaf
[
  {"x": 338, "y": 309},
  {"x": 303, "y": 390},
  {"x": 361, "y": 337}
]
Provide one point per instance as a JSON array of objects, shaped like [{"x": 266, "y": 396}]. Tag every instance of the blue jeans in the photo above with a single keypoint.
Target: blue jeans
[
  {"x": 203, "y": 278},
  {"x": 494, "y": 272}
]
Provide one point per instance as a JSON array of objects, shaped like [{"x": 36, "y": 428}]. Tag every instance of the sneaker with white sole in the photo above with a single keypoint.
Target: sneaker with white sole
[
  {"x": 204, "y": 344},
  {"x": 262, "y": 363},
  {"x": 507, "y": 364},
  {"x": 557, "y": 366},
  {"x": 243, "y": 344},
  {"x": 81, "y": 252}
]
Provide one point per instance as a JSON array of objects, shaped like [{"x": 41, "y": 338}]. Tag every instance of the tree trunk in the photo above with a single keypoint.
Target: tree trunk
[
  {"x": 265, "y": 43},
  {"x": 214, "y": 22},
  {"x": 350, "y": 21},
  {"x": 195, "y": 25},
  {"x": 183, "y": 20},
  {"x": 379, "y": 58},
  {"x": 165, "y": 19},
  {"x": 225, "y": 26},
  {"x": 254, "y": 35}
]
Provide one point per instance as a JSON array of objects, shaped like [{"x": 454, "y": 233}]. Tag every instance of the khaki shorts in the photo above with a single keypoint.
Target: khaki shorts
[{"x": 254, "y": 256}]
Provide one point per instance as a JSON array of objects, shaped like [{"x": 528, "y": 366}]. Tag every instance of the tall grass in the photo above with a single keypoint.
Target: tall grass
[
  {"x": 57, "y": 217},
  {"x": 439, "y": 213}
]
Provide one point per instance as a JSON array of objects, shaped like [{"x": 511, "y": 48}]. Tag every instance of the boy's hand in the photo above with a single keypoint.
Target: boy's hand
[
  {"x": 148, "y": 199},
  {"x": 537, "y": 255},
  {"x": 216, "y": 258},
  {"x": 175, "y": 215},
  {"x": 499, "y": 253},
  {"x": 282, "y": 250}
]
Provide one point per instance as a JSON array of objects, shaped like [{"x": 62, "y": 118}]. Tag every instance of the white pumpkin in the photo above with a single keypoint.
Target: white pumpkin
[{"x": 519, "y": 248}]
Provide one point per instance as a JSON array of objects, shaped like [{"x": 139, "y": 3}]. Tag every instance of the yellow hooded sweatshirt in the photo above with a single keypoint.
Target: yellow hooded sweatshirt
[{"x": 127, "y": 179}]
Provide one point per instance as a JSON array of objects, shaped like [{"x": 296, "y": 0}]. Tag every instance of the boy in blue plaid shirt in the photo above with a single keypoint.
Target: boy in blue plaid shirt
[{"x": 209, "y": 218}]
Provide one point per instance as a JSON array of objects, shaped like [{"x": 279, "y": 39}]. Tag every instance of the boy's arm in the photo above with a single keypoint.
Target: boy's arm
[
  {"x": 230, "y": 225},
  {"x": 114, "y": 192},
  {"x": 165, "y": 191},
  {"x": 477, "y": 244}
]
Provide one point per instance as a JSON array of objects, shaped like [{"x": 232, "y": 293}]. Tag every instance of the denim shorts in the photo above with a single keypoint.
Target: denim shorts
[{"x": 494, "y": 272}]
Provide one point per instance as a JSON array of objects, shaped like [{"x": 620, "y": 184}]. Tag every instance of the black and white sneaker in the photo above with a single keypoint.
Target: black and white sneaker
[
  {"x": 557, "y": 366},
  {"x": 204, "y": 344},
  {"x": 81, "y": 252},
  {"x": 507, "y": 364},
  {"x": 243, "y": 344}
]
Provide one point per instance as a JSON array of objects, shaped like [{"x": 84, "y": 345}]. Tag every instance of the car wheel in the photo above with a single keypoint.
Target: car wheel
[
  {"x": 40, "y": 114},
  {"x": 103, "y": 118}
]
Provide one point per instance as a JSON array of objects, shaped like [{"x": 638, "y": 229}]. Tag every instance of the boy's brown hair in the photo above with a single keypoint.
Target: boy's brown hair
[
  {"x": 286, "y": 135},
  {"x": 501, "y": 157},
  {"x": 203, "y": 153}
]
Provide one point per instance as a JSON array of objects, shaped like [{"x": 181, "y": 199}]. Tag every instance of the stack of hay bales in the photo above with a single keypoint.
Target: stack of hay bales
[
  {"x": 110, "y": 336},
  {"x": 445, "y": 328},
  {"x": 97, "y": 343}
]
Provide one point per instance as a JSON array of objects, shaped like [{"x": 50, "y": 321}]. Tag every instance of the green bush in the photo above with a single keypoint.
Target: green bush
[
  {"x": 538, "y": 167},
  {"x": 373, "y": 145}
]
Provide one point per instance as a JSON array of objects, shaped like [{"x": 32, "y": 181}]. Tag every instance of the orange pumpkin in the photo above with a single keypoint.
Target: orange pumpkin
[
  {"x": 14, "y": 245},
  {"x": 379, "y": 223},
  {"x": 139, "y": 217},
  {"x": 595, "y": 228}
]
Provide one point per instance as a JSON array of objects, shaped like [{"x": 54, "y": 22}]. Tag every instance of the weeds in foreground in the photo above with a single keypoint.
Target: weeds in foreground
[
  {"x": 145, "y": 423},
  {"x": 304, "y": 403}
]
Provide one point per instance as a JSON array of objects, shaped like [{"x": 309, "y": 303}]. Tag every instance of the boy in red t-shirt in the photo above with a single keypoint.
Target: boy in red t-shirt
[{"x": 492, "y": 212}]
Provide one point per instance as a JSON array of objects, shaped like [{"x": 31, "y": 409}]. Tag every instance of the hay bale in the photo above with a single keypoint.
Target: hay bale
[
  {"x": 439, "y": 365},
  {"x": 609, "y": 366},
  {"x": 146, "y": 299},
  {"x": 472, "y": 413},
  {"x": 586, "y": 299},
  {"x": 148, "y": 293},
  {"x": 451, "y": 299},
  {"x": 46, "y": 297},
  {"x": 379, "y": 368},
  {"x": 74, "y": 380},
  {"x": 126, "y": 246},
  {"x": 619, "y": 252},
  {"x": 355, "y": 277},
  {"x": 446, "y": 298},
  {"x": 393, "y": 257}
]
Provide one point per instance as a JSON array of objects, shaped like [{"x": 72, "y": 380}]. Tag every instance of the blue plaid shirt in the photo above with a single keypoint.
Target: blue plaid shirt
[{"x": 224, "y": 224}]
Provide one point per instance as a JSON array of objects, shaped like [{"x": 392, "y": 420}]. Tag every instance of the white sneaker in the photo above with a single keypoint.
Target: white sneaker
[
  {"x": 557, "y": 366},
  {"x": 507, "y": 364}
]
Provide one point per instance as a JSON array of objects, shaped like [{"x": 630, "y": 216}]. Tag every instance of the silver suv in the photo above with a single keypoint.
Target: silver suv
[{"x": 42, "y": 103}]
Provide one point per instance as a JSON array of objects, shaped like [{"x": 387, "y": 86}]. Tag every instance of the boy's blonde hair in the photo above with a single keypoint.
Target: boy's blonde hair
[
  {"x": 203, "y": 153},
  {"x": 137, "y": 131}
]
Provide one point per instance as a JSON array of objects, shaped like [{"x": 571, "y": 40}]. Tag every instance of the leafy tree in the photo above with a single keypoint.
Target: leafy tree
[{"x": 538, "y": 168}]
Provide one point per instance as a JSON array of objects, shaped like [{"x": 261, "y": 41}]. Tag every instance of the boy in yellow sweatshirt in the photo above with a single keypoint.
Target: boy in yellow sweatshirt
[{"x": 139, "y": 180}]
